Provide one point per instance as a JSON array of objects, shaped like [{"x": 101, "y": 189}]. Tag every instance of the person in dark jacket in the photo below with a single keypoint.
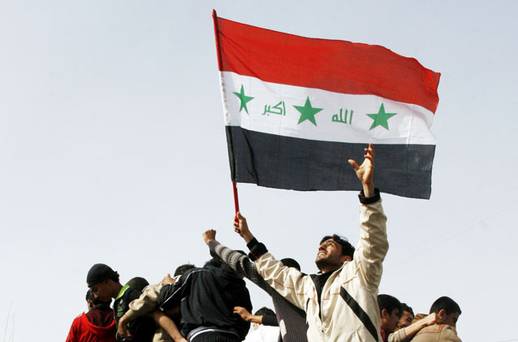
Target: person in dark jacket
[
  {"x": 291, "y": 320},
  {"x": 207, "y": 297}
]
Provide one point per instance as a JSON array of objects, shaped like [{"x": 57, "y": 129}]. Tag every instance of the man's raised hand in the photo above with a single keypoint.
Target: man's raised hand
[
  {"x": 365, "y": 171},
  {"x": 209, "y": 235},
  {"x": 241, "y": 227}
]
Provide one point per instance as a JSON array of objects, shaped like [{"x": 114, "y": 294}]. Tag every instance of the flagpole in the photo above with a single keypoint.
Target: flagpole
[
  {"x": 236, "y": 197},
  {"x": 220, "y": 66}
]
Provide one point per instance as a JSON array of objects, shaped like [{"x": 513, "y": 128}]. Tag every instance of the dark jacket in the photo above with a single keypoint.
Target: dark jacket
[
  {"x": 207, "y": 297},
  {"x": 291, "y": 319}
]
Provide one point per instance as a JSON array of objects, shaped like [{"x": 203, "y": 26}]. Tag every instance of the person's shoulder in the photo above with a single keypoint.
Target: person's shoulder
[{"x": 435, "y": 330}]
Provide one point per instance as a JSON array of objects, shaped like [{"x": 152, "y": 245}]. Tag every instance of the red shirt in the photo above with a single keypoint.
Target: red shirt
[{"x": 84, "y": 331}]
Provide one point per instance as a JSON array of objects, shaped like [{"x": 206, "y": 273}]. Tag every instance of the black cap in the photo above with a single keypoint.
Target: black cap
[{"x": 99, "y": 273}]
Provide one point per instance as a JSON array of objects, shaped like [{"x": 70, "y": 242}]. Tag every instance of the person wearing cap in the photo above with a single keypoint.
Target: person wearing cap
[
  {"x": 341, "y": 300},
  {"x": 104, "y": 283}
]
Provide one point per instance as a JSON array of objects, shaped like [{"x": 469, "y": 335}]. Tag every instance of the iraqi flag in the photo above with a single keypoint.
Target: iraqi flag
[{"x": 297, "y": 108}]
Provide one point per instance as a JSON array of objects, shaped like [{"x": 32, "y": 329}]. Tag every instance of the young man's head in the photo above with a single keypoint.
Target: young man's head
[
  {"x": 103, "y": 282},
  {"x": 407, "y": 316},
  {"x": 333, "y": 251},
  {"x": 183, "y": 269},
  {"x": 137, "y": 283},
  {"x": 447, "y": 311},
  {"x": 390, "y": 310}
]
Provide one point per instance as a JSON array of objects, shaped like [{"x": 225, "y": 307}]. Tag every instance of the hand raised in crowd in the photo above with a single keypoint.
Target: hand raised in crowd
[
  {"x": 168, "y": 280},
  {"x": 209, "y": 235},
  {"x": 244, "y": 313},
  {"x": 241, "y": 227},
  {"x": 365, "y": 171}
]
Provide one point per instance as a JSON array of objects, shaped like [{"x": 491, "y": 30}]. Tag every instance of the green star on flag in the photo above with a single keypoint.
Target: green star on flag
[
  {"x": 380, "y": 118},
  {"x": 243, "y": 98},
  {"x": 307, "y": 112}
]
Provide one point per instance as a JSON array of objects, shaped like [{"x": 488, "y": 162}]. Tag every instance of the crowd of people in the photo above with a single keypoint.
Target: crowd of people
[{"x": 212, "y": 304}]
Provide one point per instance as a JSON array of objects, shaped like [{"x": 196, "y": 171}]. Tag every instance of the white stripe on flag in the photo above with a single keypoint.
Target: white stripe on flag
[{"x": 410, "y": 125}]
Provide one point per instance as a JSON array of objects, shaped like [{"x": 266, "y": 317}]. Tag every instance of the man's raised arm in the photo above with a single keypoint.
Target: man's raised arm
[
  {"x": 287, "y": 281},
  {"x": 373, "y": 244},
  {"x": 238, "y": 261}
]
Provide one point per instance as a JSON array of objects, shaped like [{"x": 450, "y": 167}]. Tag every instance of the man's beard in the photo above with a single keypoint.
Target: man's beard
[{"x": 324, "y": 263}]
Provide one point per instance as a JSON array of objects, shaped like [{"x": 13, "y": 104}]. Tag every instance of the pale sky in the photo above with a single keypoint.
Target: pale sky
[{"x": 112, "y": 149}]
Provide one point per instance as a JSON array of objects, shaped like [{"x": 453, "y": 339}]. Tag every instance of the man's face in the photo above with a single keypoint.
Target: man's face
[
  {"x": 103, "y": 291},
  {"x": 390, "y": 320},
  {"x": 329, "y": 255},
  {"x": 405, "y": 320}
]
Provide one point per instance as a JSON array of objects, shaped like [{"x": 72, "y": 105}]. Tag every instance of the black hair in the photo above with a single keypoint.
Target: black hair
[
  {"x": 405, "y": 307},
  {"x": 180, "y": 270},
  {"x": 291, "y": 263},
  {"x": 99, "y": 273},
  {"x": 137, "y": 283},
  {"x": 446, "y": 303},
  {"x": 264, "y": 311},
  {"x": 214, "y": 262},
  {"x": 347, "y": 248},
  {"x": 89, "y": 295},
  {"x": 389, "y": 303}
]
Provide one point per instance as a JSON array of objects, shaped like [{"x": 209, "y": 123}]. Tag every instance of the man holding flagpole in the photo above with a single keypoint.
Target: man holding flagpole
[{"x": 341, "y": 300}]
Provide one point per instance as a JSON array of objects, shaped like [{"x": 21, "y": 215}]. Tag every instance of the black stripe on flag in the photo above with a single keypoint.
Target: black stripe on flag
[{"x": 300, "y": 164}]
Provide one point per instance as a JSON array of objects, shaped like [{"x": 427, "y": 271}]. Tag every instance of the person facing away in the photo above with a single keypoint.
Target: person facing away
[
  {"x": 291, "y": 320},
  {"x": 341, "y": 300},
  {"x": 447, "y": 312},
  {"x": 96, "y": 325},
  {"x": 207, "y": 297},
  {"x": 105, "y": 285}
]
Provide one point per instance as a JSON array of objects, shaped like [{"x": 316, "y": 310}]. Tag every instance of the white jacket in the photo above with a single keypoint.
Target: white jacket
[{"x": 349, "y": 308}]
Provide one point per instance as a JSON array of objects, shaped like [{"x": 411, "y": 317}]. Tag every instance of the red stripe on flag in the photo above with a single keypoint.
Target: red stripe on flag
[{"x": 334, "y": 65}]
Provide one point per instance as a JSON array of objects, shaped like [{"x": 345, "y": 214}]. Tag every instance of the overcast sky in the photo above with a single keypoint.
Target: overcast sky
[{"x": 112, "y": 149}]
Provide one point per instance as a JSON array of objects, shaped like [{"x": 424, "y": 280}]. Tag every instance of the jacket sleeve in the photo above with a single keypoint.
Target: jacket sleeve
[
  {"x": 287, "y": 281},
  {"x": 240, "y": 263},
  {"x": 73, "y": 333},
  {"x": 146, "y": 303},
  {"x": 373, "y": 244},
  {"x": 398, "y": 336}
]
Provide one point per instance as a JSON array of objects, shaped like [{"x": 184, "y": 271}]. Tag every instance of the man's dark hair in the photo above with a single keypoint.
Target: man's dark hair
[
  {"x": 290, "y": 263},
  {"x": 446, "y": 303},
  {"x": 264, "y": 311},
  {"x": 180, "y": 270},
  {"x": 347, "y": 248},
  {"x": 389, "y": 303},
  {"x": 137, "y": 283},
  {"x": 405, "y": 307}
]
